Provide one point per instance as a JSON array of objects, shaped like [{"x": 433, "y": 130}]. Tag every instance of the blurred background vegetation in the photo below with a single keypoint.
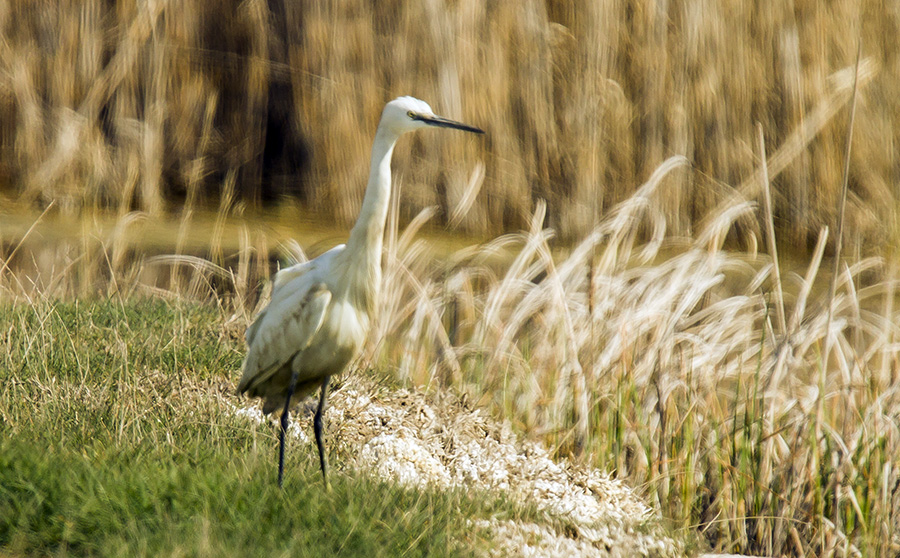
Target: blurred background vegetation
[{"x": 168, "y": 106}]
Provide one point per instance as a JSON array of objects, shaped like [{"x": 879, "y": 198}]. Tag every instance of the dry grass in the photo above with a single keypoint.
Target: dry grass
[
  {"x": 174, "y": 105},
  {"x": 669, "y": 365}
]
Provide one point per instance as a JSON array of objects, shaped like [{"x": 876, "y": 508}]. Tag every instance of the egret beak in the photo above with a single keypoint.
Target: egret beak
[{"x": 442, "y": 122}]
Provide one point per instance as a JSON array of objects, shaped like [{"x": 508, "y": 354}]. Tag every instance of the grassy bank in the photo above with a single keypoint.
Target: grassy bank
[
  {"x": 116, "y": 439},
  {"x": 754, "y": 405}
]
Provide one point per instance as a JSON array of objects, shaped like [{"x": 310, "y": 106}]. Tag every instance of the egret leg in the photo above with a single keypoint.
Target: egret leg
[
  {"x": 284, "y": 426},
  {"x": 317, "y": 428}
]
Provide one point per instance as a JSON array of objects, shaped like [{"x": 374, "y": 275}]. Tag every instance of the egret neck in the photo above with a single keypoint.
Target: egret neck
[{"x": 363, "y": 252}]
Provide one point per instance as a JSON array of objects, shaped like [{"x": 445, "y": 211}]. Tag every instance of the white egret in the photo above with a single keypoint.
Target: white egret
[{"x": 320, "y": 311}]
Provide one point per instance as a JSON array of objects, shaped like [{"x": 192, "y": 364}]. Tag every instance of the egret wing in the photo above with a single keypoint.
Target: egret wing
[
  {"x": 283, "y": 329},
  {"x": 288, "y": 275},
  {"x": 250, "y": 334},
  {"x": 282, "y": 278},
  {"x": 282, "y": 284}
]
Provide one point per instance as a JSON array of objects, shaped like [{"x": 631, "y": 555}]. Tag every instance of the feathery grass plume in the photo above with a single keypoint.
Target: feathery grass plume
[{"x": 691, "y": 390}]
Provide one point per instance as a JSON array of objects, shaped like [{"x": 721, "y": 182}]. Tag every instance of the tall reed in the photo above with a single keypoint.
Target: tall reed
[{"x": 665, "y": 362}]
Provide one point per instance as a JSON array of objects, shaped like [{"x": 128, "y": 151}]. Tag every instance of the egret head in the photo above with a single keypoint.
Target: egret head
[{"x": 405, "y": 114}]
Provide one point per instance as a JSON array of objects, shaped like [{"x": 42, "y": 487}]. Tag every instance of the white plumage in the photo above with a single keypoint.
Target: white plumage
[{"x": 320, "y": 311}]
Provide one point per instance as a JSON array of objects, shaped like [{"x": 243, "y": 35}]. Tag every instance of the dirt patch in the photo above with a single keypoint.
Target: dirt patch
[{"x": 418, "y": 440}]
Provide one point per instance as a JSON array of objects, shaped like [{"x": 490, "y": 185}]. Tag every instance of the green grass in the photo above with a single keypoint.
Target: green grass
[
  {"x": 115, "y": 441},
  {"x": 109, "y": 501}
]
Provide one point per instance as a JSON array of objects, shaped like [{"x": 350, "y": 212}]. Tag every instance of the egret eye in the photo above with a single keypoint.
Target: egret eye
[{"x": 410, "y": 114}]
